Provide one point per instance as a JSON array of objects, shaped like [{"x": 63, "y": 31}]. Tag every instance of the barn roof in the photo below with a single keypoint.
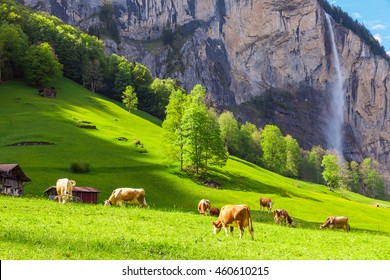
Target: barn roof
[
  {"x": 85, "y": 189},
  {"x": 77, "y": 189},
  {"x": 13, "y": 171}
]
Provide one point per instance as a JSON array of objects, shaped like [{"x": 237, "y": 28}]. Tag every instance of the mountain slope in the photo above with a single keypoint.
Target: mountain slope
[{"x": 31, "y": 118}]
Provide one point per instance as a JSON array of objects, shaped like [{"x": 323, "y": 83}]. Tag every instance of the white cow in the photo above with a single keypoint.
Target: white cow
[{"x": 64, "y": 189}]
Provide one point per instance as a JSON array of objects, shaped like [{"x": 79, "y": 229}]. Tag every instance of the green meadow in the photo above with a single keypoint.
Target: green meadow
[{"x": 33, "y": 227}]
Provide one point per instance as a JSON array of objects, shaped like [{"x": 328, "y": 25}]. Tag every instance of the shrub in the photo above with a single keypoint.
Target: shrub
[{"x": 79, "y": 167}]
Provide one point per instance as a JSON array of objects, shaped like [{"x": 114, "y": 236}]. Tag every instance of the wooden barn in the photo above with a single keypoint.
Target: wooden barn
[
  {"x": 12, "y": 179},
  {"x": 80, "y": 194}
]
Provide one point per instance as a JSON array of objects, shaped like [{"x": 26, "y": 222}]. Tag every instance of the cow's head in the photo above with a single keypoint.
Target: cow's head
[
  {"x": 217, "y": 226},
  {"x": 270, "y": 205},
  {"x": 73, "y": 183},
  {"x": 107, "y": 202},
  {"x": 204, "y": 206},
  {"x": 276, "y": 215},
  {"x": 290, "y": 222},
  {"x": 328, "y": 222}
]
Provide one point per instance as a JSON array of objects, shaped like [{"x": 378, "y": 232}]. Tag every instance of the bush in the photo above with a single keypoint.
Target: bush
[{"x": 79, "y": 167}]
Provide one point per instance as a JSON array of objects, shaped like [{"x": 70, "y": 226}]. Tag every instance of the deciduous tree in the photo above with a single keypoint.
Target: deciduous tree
[
  {"x": 129, "y": 98},
  {"x": 173, "y": 132},
  {"x": 273, "y": 146},
  {"x": 332, "y": 171},
  {"x": 229, "y": 131},
  {"x": 41, "y": 65},
  {"x": 293, "y": 156}
]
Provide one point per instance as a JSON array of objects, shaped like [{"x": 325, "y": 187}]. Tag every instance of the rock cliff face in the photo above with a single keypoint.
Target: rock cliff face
[{"x": 268, "y": 61}]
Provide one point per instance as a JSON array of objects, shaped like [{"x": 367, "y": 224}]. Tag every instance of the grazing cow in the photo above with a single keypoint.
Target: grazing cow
[
  {"x": 282, "y": 215},
  {"x": 266, "y": 202},
  {"x": 336, "y": 222},
  {"x": 127, "y": 195},
  {"x": 231, "y": 215},
  {"x": 214, "y": 211},
  {"x": 64, "y": 189},
  {"x": 204, "y": 207}
]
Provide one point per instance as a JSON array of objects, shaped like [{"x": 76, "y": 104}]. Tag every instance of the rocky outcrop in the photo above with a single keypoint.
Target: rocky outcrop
[{"x": 268, "y": 61}]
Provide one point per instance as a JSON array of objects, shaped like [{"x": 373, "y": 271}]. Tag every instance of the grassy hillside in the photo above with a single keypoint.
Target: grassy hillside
[{"x": 172, "y": 195}]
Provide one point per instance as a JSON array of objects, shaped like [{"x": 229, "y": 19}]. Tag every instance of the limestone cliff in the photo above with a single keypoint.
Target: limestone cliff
[{"x": 268, "y": 61}]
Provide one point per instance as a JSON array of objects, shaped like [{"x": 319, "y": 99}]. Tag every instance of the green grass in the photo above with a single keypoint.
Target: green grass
[
  {"x": 41, "y": 229},
  {"x": 171, "y": 228}
]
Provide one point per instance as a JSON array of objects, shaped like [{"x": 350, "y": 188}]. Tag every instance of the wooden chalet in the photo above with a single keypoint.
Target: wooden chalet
[
  {"x": 80, "y": 194},
  {"x": 12, "y": 179}
]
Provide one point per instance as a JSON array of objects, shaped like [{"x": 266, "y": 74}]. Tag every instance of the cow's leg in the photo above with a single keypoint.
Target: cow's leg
[
  {"x": 231, "y": 230},
  {"x": 226, "y": 230},
  {"x": 240, "y": 227}
]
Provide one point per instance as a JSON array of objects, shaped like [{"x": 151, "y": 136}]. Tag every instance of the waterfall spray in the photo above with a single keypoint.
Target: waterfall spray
[{"x": 336, "y": 113}]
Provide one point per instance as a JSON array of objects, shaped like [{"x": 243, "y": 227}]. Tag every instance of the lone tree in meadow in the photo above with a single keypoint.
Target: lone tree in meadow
[{"x": 129, "y": 98}]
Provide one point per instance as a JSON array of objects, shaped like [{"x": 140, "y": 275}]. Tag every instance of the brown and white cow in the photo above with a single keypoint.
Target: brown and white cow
[
  {"x": 204, "y": 207},
  {"x": 234, "y": 215},
  {"x": 214, "y": 211},
  {"x": 64, "y": 188},
  {"x": 121, "y": 195},
  {"x": 266, "y": 202},
  {"x": 336, "y": 222},
  {"x": 282, "y": 215}
]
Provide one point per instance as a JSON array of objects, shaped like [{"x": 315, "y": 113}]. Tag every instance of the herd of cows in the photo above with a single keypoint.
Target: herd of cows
[
  {"x": 240, "y": 216},
  {"x": 228, "y": 217}
]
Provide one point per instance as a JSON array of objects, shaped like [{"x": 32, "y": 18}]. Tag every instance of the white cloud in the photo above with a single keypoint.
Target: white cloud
[
  {"x": 378, "y": 27},
  {"x": 356, "y": 15},
  {"x": 378, "y": 37}
]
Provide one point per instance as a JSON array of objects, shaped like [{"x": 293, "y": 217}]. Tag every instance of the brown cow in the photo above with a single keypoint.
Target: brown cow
[
  {"x": 231, "y": 215},
  {"x": 282, "y": 215},
  {"x": 266, "y": 202},
  {"x": 214, "y": 211},
  {"x": 336, "y": 222},
  {"x": 204, "y": 207},
  {"x": 127, "y": 194}
]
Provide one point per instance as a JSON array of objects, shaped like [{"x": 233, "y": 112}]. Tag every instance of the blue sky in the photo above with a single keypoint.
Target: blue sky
[{"x": 374, "y": 14}]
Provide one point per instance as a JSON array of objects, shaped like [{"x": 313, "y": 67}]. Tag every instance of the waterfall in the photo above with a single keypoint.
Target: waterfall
[{"x": 335, "y": 119}]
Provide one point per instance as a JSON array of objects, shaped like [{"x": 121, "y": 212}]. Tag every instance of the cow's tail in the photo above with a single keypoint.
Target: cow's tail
[
  {"x": 251, "y": 231},
  {"x": 250, "y": 225},
  {"x": 145, "y": 204}
]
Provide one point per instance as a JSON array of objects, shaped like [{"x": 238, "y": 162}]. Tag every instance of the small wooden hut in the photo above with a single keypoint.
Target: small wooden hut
[
  {"x": 80, "y": 194},
  {"x": 12, "y": 179}
]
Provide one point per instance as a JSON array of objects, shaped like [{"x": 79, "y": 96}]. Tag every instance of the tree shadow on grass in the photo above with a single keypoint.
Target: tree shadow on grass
[{"x": 242, "y": 183}]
